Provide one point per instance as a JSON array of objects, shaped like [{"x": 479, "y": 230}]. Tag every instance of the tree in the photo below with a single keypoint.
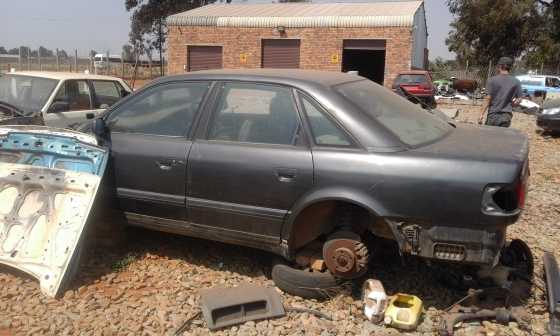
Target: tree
[
  {"x": 485, "y": 30},
  {"x": 148, "y": 30},
  {"x": 127, "y": 53},
  {"x": 3, "y": 50}
]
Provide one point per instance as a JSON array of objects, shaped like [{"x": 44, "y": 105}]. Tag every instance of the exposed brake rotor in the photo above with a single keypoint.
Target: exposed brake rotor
[{"x": 346, "y": 257}]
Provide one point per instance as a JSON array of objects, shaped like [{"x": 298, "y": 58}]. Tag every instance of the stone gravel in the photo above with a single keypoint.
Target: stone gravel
[{"x": 141, "y": 282}]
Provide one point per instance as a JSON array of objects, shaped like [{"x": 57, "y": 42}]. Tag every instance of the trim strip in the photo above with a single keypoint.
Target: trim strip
[
  {"x": 151, "y": 196},
  {"x": 267, "y": 243},
  {"x": 234, "y": 208}
]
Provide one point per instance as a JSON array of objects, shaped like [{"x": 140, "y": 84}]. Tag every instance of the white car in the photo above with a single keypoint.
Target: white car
[{"x": 62, "y": 99}]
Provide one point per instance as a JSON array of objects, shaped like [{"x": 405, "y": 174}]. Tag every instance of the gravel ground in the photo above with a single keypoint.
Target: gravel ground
[{"x": 146, "y": 283}]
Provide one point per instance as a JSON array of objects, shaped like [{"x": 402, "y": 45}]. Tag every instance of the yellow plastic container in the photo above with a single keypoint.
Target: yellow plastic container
[{"x": 403, "y": 311}]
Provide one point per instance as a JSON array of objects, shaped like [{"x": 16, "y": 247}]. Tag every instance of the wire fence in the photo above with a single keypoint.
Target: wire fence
[{"x": 140, "y": 70}]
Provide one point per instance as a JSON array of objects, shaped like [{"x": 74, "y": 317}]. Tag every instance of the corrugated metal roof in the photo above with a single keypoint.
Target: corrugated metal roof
[{"x": 300, "y": 15}]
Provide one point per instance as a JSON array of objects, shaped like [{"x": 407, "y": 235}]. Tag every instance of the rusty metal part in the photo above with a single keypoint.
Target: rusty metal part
[
  {"x": 346, "y": 257},
  {"x": 222, "y": 307},
  {"x": 552, "y": 278},
  {"x": 501, "y": 315}
]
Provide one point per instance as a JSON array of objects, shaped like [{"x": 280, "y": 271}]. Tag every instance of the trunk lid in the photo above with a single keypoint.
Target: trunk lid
[
  {"x": 48, "y": 182},
  {"x": 481, "y": 143}
]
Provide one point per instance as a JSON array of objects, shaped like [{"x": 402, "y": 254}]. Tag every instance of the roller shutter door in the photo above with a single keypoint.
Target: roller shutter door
[
  {"x": 204, "y": 58},
  {"x": 280, "y": 54}
]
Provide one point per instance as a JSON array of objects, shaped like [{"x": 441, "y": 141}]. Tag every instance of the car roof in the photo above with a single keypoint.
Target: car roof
[
  {"x": 61, "y": 75},
  {"x": 414, "y": 72},
  {"x": 296, "y": 77}
]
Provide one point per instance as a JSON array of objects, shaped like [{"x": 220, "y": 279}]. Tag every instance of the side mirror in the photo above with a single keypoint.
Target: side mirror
[
  {"x": 99, "y": 128},
  {"x": 59, "y": 106},
  {"x": 124, "y": 93}
]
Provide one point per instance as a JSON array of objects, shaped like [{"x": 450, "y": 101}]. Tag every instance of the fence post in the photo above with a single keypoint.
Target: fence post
[
  {"x": 108, "y": 64},
  {"x": 57, "y": 61},
  {"x": 489, "y": 71}
]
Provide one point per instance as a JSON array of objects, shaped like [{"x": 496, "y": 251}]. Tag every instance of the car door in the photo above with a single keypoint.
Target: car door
[
  {"x": 250, "y": 164},
  {"x": 106, "y": 93},
  {"x": 150, "y": 141},
  {"x": 72, "y": 102}
]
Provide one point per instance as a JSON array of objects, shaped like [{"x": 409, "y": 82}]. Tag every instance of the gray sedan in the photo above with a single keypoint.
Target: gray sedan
[{"x": 308, "y": 165}]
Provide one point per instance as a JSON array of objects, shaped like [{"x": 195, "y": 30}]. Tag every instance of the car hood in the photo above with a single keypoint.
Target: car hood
[
  {"x": 481, "y": 143},
  {"x": 48, "y": 182}
]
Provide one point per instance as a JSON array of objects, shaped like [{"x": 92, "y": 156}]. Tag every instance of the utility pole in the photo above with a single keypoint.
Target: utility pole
[
  {"x": 161, "y": 47},
  {"x": 76, "y": 60}
]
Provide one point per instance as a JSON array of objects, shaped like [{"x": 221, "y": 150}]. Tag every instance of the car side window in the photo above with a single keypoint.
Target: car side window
[
  {"x": 167, "y": 109},
  {"x": 106, "y": 92},
  {"x": 76, "y": 93},
  {"x": 325, "y": 131},
  {"x": 256, "y": 113}
]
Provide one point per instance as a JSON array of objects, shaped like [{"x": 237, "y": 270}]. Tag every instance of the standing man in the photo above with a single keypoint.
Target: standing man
[{"x": 504, "y": 92}]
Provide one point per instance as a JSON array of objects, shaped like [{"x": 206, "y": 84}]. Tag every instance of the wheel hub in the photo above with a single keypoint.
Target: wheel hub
[{"x": 345, "y": 257}]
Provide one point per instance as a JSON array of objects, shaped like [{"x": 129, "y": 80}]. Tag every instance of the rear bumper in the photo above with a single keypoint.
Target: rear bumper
[
  {"x": 476, "y": 245},
  {"x": 549, "y": 122}
]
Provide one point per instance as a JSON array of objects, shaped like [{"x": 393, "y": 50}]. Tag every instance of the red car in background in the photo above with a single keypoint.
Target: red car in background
[{"x": 417, "y": 83}]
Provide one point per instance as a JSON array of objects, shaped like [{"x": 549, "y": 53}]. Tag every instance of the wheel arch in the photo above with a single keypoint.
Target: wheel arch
[{"x": 322, "y": 201}]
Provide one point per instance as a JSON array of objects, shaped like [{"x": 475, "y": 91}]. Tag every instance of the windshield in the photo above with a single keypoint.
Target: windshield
[
  {"x": 409, "y": 122},
  {"x": 29, "y": 94}
]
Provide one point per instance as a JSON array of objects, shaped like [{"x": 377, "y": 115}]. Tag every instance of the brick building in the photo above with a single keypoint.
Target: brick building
[{"x": 377, "y": 39}]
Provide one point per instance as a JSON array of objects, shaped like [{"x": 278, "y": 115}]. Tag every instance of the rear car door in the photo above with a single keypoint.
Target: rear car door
[
  {"x": 251, "y": 164},
  {"x": 150, "y": 141},
  {"x": 77, "y": 98}
]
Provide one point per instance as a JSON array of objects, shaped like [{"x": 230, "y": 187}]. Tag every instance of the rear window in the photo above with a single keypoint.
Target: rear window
[
  {"x": 409, "y": 122},
  {"x": 411, "y": 79}
]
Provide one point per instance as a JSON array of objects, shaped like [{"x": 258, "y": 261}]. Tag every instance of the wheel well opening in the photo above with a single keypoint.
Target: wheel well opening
[{"x": 325, "y": 217}]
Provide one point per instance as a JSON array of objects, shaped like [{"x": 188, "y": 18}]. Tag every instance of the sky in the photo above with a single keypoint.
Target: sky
[{"x": 103, "y": 25}]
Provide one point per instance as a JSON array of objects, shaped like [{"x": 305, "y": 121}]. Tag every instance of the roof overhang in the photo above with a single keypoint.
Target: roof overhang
[
  {"x": 301, "y": 15},
  {"x": 294, "y": 22}
]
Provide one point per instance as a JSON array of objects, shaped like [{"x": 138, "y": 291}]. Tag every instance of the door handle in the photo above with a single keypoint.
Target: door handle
[
  {"x": 286, "y": 174},
  {"x": 168, "y": 164}
]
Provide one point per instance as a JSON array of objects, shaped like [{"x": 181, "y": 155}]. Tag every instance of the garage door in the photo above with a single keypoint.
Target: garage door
[
  {"x": 280, "y": 54},
  {"x": 204, "y": 58}
]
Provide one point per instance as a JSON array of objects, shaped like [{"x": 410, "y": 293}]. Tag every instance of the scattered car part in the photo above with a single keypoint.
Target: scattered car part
[
  {"x": 48, "y": 182},
  {"x": 517, "y": 255},
  {"x": 374, "y": 299},
  {"x": 304, "y": 283},
  {"x": 403, "y": 311},
  {"x": 501, "y": 315},
  {"x": 222, "y": 307},
  {"x": 552, "y": 278},
  {"x": 345, "y": 255}
]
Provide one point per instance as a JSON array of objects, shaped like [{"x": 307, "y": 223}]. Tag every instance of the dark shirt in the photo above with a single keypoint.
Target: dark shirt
[{"x": 503, "y": 89}]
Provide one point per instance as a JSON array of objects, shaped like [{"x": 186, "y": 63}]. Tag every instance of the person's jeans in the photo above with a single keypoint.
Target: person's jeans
[{"x": 499, "y": 119}]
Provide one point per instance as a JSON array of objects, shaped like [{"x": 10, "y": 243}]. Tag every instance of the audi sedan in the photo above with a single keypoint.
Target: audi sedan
[{"x": 308, "y": 165}]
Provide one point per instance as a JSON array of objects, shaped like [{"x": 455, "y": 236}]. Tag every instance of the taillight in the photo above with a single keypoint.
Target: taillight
[{"x": 521, "y": 189}]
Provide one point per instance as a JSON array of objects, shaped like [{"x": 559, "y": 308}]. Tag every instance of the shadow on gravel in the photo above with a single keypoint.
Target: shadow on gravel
[
  {"x": 110, "y": 246},
  {"x": 117, "y": 245}
]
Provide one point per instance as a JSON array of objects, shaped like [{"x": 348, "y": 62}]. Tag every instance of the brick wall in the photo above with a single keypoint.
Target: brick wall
[{"x": 318, "y": 46}]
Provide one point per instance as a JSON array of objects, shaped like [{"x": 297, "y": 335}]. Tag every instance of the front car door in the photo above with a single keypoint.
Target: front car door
[
  {"x": 150, "y": 141},
  {"x": 249, "y": 165},
  {"x": 77, "y": 98}
]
